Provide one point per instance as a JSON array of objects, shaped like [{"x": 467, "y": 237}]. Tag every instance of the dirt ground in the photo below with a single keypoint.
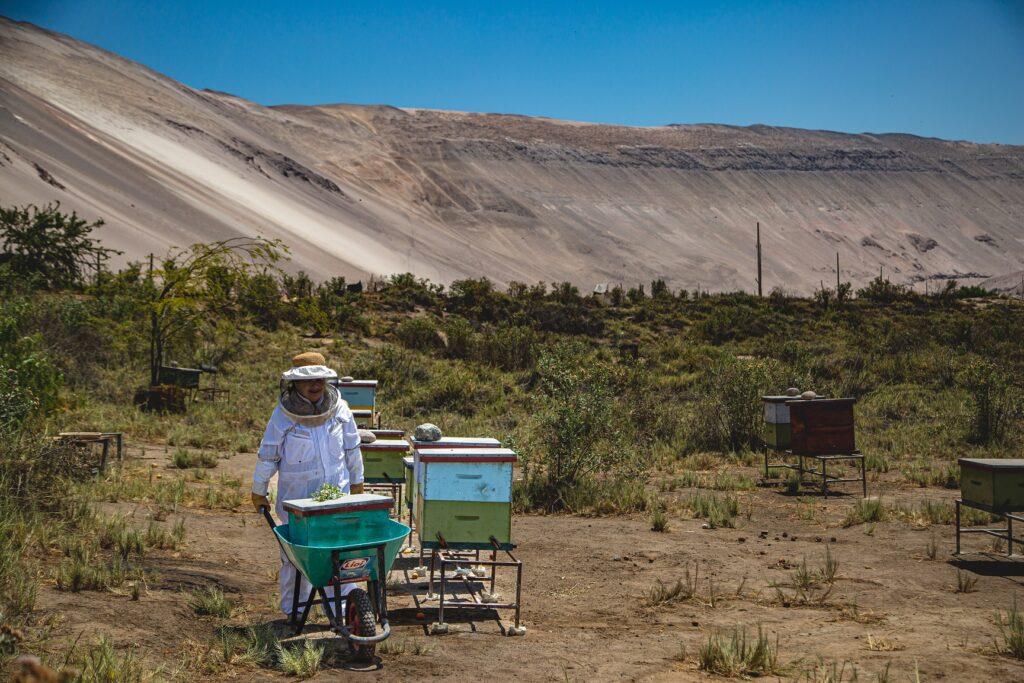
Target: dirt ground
[{"x": 585, "y": 584}]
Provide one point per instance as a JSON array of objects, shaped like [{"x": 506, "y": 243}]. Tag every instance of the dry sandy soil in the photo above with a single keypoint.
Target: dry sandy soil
[
  {"x": 358, "y": 190},
  {"x": 585, "y": 610}
]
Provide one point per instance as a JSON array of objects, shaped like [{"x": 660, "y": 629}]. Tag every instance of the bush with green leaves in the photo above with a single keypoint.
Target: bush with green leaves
[
  {"x": 728, "y": 414},
  {"x": 579, "y": 426},
  {"x": 995, "y": 402},
  {"x": 419, "y": 334}
]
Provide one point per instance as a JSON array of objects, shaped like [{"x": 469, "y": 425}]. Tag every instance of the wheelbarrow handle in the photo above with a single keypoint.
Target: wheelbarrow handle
[{"x": 265, "y": 511}]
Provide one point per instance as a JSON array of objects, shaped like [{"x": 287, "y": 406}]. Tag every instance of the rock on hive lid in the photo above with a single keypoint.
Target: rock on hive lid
[{"x": 428, "y": 432}]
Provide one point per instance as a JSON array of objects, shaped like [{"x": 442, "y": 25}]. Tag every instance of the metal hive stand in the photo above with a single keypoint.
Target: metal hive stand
[
  {"x": 822, "y": 470},
  {"x": 1004, "y": 533},
  {"x": 447, "y": 556}
]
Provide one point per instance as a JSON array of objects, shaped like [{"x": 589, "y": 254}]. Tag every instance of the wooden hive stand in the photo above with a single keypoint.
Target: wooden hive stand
[{"x": 105, "y": 439}]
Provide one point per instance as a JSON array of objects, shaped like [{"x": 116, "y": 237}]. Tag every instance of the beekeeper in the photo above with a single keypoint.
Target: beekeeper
[{"x": 311, "y": 440}]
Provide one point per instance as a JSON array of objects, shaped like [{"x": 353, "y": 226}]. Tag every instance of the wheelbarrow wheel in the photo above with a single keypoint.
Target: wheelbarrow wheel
[{"x": 360, "y": 621}]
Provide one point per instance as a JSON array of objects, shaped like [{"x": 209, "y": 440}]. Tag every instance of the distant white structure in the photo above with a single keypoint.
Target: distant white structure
[{"x": 601, "y": 288}]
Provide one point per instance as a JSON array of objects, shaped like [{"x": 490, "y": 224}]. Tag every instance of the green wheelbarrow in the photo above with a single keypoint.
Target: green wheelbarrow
[{"x": 364, "y": 553}]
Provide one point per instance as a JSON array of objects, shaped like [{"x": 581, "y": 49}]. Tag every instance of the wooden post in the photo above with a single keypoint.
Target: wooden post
[
  {"x": 759, "y": 291},
  {"x": 837, "y": 273}
]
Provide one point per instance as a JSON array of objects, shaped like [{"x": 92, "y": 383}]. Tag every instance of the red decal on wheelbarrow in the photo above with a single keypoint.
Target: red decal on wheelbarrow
[{"x": 357, "y": 563}]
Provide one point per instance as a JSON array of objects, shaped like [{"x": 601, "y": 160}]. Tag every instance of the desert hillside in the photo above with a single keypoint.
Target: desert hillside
[{"x": 358, "y": 190}]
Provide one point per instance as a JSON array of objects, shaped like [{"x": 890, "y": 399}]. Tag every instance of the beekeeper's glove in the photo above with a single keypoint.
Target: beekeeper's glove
[{"x": 259, "y": 501}]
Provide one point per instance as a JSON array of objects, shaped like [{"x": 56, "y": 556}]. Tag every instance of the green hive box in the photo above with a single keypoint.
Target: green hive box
[
  {"x": 410, "y": 481},
  {"x": 337, "y": 522},
  {"x": 382, "y": 461},
  {"x": 464, "y": 495},
  {"x": 992, "y": 482}
]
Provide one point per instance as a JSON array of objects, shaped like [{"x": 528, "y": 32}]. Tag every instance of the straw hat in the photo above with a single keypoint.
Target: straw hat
[{"x": 308, "y": 365}]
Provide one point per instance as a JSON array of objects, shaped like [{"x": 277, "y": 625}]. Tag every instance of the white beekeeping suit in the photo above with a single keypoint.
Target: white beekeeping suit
[{"x": 307, "y": 445}]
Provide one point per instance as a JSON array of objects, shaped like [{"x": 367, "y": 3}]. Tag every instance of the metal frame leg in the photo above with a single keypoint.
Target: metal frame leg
[
  {"x": 519, "y": 590},
  {"x": 494, "y": 569},
  {"x": 957, "y": 505},
  {"x": 864, "y": 475},
  {"x": 430, "y": 581},
  {"x": 824, "y": 477},
  {"x": 1009, "y": 536},
  {"x": 444, "y": 588}
]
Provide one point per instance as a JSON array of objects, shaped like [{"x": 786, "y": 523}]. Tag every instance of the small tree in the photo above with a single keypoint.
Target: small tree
[
  {"x": 182, "y": 289},
  {"x": 48, "y": 247},
  {"x": 579, "y": 420}
]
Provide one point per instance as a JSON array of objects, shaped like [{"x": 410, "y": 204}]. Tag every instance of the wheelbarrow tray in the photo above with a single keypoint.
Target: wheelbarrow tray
[{"x": 357, "y": 558}]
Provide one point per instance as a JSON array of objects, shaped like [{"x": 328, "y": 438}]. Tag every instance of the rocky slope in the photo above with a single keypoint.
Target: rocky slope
[{"x": 359, "y": 190}]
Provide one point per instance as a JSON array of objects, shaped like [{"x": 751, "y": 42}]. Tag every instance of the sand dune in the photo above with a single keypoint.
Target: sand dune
[{"x": 359, "y": 190}]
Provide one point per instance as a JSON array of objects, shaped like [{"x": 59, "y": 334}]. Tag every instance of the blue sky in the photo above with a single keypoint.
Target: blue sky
[{"x": 945, "y": 69}]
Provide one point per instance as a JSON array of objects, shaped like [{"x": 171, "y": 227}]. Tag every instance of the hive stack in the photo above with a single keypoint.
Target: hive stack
[
  {"x": 361, "y": 396},
  {"x": 464, "y": 497},
  {"x": 822, "y": 426}
]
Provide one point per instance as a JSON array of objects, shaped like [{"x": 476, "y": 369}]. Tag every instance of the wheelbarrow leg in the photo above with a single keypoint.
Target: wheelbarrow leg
[
  {"x": 295, "y": 596},
  {"x": 305, "y": 612},
  {"x": 381, "y": 601}
]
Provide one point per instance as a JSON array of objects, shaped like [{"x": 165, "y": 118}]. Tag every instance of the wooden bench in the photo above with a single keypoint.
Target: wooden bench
[{"x": 105, "y": 438}]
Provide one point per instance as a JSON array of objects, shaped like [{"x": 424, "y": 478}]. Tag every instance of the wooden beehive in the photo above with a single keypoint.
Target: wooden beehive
[
  {"x": 465, "y": 495},
  {"x": 333, "y": 522},
  {"x": 361, "y": 397},
  {"x": 994, "y": 483},
  {"x": 382, "y": 461},
  {"x": 776, "y": 419},
  {"x": 821, "y": 426}
]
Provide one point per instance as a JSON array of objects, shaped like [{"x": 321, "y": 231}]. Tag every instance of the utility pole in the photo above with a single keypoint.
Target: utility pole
[
  {"x": 759, "y": 292},
  {"x": 837, "y": 273}
]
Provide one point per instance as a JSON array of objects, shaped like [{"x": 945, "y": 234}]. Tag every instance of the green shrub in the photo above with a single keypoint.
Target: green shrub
[
  {"x": 1011, "y": 628},
  {"x": 419, "y": 334},
  {"x": 728, "y": 415},
  {"x": 211, "y": 601},
  {"x": 718, "y": 510},
  {"x": 578, "y": 424},
  {"x": 302, "y": 660},
  {"x": 995, "y": 404},
  {"x": 184, "y": 459},
  {"x": 867, "y": 510},
  {"x": 733, "y": 654}
]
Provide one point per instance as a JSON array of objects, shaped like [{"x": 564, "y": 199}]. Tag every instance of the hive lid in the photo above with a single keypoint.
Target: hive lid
[
  {"x": 353, "y": 503},
  {"x": 409, "y": 461},
  {"x": 818, "y": 401},
  {"x": 362, "y": 413},
  {"x": 388, "y": 433},
  {"x": 1001, "y": 464},
  {"x": 469, "y": 455},
  {"x": 777, "y": 399},
  {"x": 458, "y": 442},
  {"x": 358, "y": 383},
  {"x": 386, "y": 445}
]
